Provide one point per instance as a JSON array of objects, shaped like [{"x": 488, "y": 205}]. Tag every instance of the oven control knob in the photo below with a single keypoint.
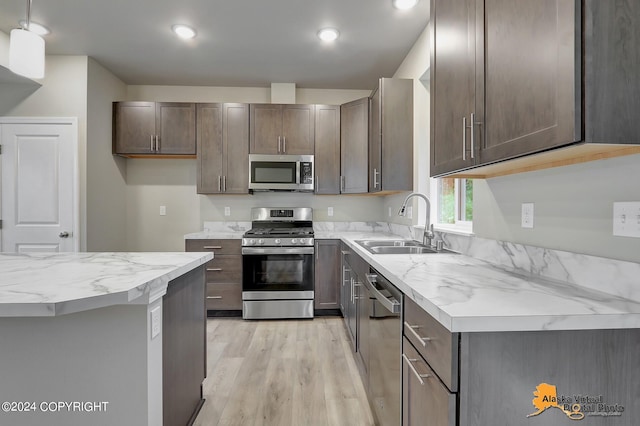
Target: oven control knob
[
  {"x": 303, "y": 241},
  {"x": 260, "y": 241},
  {"x": 277, "y": 241},
  {"x": 250, "y": 242},
  {"x": 294, "y": 241}
]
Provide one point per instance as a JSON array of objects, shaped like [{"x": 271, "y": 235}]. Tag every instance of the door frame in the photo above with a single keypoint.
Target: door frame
[{"x": 68, "y": 121}]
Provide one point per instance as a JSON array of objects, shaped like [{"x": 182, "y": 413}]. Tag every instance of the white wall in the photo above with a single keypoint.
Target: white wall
[
  {"x": 106, "y": 173},
  {"x": 573, "y": 207},
  {"x": 63, "y": 94}
]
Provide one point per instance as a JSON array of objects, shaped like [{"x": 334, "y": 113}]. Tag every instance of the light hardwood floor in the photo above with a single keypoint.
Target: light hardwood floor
[{"x": 281, "y": 373}]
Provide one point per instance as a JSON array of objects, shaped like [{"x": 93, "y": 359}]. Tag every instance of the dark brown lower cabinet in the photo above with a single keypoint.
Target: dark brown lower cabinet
[
  {"x": 184, "y": 348},
  {"x": 327, "y": 275},
  {"x": 223, "y": 275}
]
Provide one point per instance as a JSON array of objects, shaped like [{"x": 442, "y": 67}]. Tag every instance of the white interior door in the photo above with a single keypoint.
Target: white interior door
[{"x": 39, "y": 187}]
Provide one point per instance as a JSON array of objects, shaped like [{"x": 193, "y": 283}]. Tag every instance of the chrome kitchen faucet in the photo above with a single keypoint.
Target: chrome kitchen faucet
[{"x": 427, "y": 237}]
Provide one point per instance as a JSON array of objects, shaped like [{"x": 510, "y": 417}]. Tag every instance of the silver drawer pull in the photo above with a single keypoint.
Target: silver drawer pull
[
  {"x": 410, "y": 364},
  {"x": 212, "y": 247},
  {"x": 214, "y": 269},
  {"x": 413, "y": 328},
  {"x": 214, "y": 297}
]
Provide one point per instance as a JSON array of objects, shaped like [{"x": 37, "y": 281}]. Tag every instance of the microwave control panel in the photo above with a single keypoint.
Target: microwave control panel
[{"x": 306, "y": 172}]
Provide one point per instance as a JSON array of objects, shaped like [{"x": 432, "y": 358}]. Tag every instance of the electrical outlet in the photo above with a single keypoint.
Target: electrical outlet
[
  {"x": 410, "y": 212},
  {"x": 227, "y": 211},
  {"x": 329, "y": 211},
  {"x": 389, "y": 211},
  {"x": 163, "y": 210},
  {"x": 156, "y": 321},
  {"x": 527, "y": 215},
  {"x": 626, "y": 219}
]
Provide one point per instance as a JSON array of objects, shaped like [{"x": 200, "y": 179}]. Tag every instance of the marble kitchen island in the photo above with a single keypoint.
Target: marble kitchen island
[{"x": 101, "y": 338}]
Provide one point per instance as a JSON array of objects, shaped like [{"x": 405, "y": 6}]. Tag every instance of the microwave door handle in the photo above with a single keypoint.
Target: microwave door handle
[{"x": 298, "y": 172}]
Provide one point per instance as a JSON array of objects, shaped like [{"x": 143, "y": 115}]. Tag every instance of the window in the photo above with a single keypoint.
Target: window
[{"x": 455, "y": 202}]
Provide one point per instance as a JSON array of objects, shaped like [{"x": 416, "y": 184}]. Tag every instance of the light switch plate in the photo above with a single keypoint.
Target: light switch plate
[
  {"x": 227, "y": 211},
  {"x": 389, "y": 211},
  {"x": 329, "y": 211},
  {"x": 626, "y": 219},
  {"x": 410, "y": 212},
  {"x": 156, "y": 321},
  {"x": 527, "y": 215},
  {"x": 163, "y": 210}
]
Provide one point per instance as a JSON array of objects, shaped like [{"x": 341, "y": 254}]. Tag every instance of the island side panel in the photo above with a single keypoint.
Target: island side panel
[
  {"x": 96, "y": 356},
  {"x": 184, "y": 347},
  {"x": 500, "y": 372}
]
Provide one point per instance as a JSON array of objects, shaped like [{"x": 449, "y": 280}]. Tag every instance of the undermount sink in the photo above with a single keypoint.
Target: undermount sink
[{"x": 395, "y": 247}]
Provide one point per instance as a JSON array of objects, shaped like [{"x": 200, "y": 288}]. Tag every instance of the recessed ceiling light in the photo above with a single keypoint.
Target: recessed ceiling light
[
  {"x": 41, "y": 30},
  {"x": 184, "y": 31},
  {"x": 404, "y": 4},
  {"x": 328, "y": 34}
]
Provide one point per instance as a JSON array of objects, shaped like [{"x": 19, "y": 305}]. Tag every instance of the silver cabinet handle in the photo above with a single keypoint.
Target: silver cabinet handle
[
  {"x": 412, "y": 328},
  {"x": 224, "y": 184},
  {"x": 214, "y": 297},
  {"x": 376, "y": 173},
  {"x": 317, "y": 180},
  {"x": 63, "y": 234},
  {"x": 342, "y": 183},
  {"x": 410, "y": 362},
  {"x": 219, "y": 183},
  {"x": 464, "y": 138},
  {"x": 157, "y": 143},
  {"x": 214, "y": 269},
  {"x": 284, "y": 144},
  {"x": 151, "y": 143},
  {"x": 212, "y": 247},
  {"x": 473, "y": 124},
  {"x": 279, "y": 144}
]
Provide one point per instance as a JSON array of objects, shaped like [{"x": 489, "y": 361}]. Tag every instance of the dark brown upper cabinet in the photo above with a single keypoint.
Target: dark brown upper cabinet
[
  {"x": 327, "y": 149},
  {"x": 511, "y": 78},
  {"x": 282, "y": 129},
  {"x": 223, "y": 148},
  {"x": 391, "y": 136},
  {"x": 142, "y": 129},
  {"x": 354, "y": 146}
]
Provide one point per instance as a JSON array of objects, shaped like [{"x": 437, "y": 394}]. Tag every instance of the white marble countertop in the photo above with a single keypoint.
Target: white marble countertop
[
  {"x": 47, "y": 284},
  {"x": 466, "y": 294}
]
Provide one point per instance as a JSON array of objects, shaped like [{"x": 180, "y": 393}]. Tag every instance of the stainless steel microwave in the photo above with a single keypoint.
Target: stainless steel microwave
[{"x": 281, "y": 172}]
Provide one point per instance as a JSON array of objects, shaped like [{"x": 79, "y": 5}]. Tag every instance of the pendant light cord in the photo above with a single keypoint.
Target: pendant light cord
[{"x": 28, "y": 14}]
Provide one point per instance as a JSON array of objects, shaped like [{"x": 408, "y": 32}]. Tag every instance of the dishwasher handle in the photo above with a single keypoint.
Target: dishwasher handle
[{"x": 392, "y": 305}]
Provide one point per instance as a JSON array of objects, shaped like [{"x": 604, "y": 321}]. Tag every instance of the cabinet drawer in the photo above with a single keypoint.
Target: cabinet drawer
[
  {"x": 217, "y": 246},
  {"x": 437, "y": 345},
  {"x": 425, "y": 400},
  {"x": 224, "y": 269},
  {"x": 224, "y": 296}
]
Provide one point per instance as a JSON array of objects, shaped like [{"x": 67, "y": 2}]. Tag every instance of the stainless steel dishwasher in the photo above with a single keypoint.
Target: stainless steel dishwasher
[{"x": 385, "y": 340}]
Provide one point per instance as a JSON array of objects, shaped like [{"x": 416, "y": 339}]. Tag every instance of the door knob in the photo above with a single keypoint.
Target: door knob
[{"x": 63, "y": 234}]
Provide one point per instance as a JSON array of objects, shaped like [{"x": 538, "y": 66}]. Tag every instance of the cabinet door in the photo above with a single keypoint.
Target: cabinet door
[
  {"x": 452, "y": 83},
  {"x": 210, "y": 151},
  {"x": 134, "y": 127},
  {"x": 354, "y": 146},
  {"x": 236, "y": 146},
  {"x": 327, "y": 275},
  {"x": 176, "y": 128},
  {"x": 266, "y": 129},
  {"x": 396, "y": 130},
  {"x": 375, "y": 141},
  {"x": 298, "y": 133},
  {"x": 327, "y": 149},
  {"x": 425, "y": 401},
  {"x": 529, "y": 85}
]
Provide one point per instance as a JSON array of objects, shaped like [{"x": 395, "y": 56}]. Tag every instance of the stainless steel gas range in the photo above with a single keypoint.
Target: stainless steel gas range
[{"x": 277, "y": 264}]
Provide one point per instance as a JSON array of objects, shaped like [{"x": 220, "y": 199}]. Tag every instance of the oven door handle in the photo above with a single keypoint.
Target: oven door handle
[{"x": 277, "y": 250}]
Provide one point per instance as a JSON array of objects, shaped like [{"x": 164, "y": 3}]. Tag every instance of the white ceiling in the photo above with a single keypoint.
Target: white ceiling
[{"x": 239, "y": 42}]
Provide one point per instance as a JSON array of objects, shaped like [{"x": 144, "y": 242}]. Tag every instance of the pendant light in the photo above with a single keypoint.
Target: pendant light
[{"x": 26, "y": 50}]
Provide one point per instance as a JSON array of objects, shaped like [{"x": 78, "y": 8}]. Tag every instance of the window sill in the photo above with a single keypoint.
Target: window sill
[{"x": 459, "y": 229}]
